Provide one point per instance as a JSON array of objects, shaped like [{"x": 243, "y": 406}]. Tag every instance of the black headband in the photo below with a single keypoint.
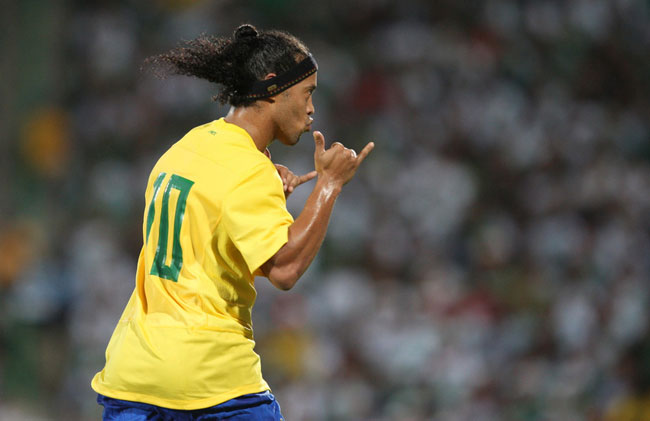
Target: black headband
[{"x": 279, "y": 83}]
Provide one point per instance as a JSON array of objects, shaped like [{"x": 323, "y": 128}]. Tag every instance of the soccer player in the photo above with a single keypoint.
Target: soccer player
[{"x": 215, "y": 216}]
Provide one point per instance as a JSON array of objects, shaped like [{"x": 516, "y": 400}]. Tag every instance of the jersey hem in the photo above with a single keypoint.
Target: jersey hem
[
  {"x": 180, "y": 404},
  {"x": 246, "y": 332}
]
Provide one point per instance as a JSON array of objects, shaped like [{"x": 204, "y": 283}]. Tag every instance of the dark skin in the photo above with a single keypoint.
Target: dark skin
[{"x": 285, "y": 117}]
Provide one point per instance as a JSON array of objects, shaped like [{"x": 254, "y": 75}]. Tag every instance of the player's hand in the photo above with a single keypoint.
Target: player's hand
[
  {"x": 337, "y": 164},
  {"x": 290, "y": 180}
]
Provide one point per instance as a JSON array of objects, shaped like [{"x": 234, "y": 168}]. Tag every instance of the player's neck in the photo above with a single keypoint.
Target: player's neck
[{"x": 256, "y": 124}]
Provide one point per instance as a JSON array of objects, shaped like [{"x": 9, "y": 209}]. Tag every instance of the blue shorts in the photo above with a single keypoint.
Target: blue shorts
[{"x": 256, "y": 406}]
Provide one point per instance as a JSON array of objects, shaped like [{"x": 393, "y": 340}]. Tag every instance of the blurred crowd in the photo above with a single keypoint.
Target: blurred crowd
[{"x": 490, "y": 261}]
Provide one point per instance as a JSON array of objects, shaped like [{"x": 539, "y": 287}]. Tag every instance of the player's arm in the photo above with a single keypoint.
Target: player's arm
[{"x": 335, "y": 167}]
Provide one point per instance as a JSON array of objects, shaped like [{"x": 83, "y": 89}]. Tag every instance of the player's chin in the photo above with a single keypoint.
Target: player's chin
[
  {"x": 296, "y": 138},
  {"x": 290, "y": 140},
  {"x": 306, "y": 129}
]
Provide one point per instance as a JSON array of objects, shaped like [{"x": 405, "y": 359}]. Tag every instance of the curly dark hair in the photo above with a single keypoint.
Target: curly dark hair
[{"x": 234, "y": 62}]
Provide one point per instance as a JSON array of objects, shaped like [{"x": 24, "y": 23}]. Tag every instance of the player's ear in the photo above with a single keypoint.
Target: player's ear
[{"x": 269, "y": 76}]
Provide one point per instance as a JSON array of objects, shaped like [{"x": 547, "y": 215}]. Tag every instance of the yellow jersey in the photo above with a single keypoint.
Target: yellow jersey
[{"x": 215, "y": 212}]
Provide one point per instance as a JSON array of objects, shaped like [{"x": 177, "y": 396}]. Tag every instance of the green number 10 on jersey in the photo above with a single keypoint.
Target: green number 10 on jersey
[{"x": 160, "y": 267}]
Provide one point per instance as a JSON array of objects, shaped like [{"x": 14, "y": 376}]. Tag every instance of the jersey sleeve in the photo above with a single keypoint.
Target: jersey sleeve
[{"x": 256, "y": 217}]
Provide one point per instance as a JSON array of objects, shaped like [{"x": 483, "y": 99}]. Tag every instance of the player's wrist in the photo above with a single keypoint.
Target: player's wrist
[{"x": 329, "y": 185}]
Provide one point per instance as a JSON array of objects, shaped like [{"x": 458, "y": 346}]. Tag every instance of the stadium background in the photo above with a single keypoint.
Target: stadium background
[{"x": 490, "y": 261}]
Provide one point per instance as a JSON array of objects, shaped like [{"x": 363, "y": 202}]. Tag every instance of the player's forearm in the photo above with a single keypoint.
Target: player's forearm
[{"x": 306, "y": 235}]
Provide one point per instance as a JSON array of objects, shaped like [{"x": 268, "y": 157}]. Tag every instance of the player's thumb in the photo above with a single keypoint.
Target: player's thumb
[{"x": 319, "y": 140}]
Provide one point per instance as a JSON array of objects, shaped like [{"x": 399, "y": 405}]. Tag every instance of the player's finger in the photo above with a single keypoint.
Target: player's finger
[
  {"x": 319, "y": 140},
  {"x": 364, "y": 153},
  {"x": 305, "y": 178}
]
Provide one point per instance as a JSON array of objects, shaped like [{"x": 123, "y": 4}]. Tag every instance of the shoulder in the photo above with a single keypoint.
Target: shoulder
[
  {"x": 223, "y": 146},
  {"x": 257, "y": 178},
  {"x": 258, "y": 171},
  {"x": 218, "y": 156}
]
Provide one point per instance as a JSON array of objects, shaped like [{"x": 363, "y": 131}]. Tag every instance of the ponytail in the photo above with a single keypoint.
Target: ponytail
[{"x": 235, "y": 63}]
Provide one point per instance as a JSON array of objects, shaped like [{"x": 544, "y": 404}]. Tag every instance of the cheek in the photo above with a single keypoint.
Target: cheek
[
  {"x": 298, "y": 113},
  {"x": 294, "y": 116}
]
